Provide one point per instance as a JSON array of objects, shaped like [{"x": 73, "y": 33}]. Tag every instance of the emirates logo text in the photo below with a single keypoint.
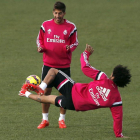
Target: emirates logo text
[{"x": 56, "y": 39}]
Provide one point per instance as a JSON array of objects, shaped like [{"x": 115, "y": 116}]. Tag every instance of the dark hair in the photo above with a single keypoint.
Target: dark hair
[
  {"x": 122, "y": 76},
  {"x": 60, "y": 6}
]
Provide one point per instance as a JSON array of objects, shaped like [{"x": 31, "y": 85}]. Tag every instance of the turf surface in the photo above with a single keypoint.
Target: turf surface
[{"x": 110, "y": 26}]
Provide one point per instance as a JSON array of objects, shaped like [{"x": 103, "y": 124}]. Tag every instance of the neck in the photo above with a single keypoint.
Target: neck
[{"x": 59, "y": 22}]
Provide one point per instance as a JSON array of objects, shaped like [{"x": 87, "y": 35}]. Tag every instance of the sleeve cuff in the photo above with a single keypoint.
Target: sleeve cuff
[{"x": 88, "y": 53}]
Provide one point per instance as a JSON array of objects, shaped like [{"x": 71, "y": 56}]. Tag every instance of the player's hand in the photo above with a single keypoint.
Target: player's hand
[
  {"x": 67, "y": 47},
  {"x": 39, "y": 49},
  {"x": 89, "y": 49}
]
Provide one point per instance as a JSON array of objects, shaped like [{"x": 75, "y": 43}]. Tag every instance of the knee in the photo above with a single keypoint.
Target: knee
[
  {"x": 60, "y": 101},
  {"x": 53, "y": 70}
]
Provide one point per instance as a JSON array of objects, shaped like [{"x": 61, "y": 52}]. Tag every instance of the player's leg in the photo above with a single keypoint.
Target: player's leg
[
  {"x": 50, "y": 77},
  {"x": 62, "y": 83},
  {"x": 53, "y": 99},
  {"x": 50, "y": 99},
  {"x": 46, "y": 106},
  {"x": 59, "y": 101},
  {"x": 45, "y": 110},
  {"x": 61, "y": 120},
  {"x": 56, "y": 82},
  {"x": 62, "y": 110}
]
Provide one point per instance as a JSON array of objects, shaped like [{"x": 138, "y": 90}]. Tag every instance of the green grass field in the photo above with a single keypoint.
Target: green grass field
[{"x": 112, "y": 27}]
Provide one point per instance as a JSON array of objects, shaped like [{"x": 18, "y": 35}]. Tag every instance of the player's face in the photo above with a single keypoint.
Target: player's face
[{"x": 58, "y": 16}]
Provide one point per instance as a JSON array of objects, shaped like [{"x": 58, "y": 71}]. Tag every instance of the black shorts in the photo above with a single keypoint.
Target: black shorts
[
  {"x": 63, "y": 83},
  {"x": 45, "y": 70}
]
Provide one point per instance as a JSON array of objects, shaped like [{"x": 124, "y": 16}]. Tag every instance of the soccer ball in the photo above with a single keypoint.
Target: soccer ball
[{"x": 33, "y": 79}]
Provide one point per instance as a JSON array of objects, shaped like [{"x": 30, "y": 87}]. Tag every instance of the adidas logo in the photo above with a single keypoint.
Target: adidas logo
[
  {"x": 104, "y": 92},
  {"x": 49, "y": 31}
]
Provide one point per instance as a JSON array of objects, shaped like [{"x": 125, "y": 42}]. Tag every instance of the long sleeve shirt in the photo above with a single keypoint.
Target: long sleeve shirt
[
  {"x": 53, "y": 38},
  {"x": 99, "y": 93}
]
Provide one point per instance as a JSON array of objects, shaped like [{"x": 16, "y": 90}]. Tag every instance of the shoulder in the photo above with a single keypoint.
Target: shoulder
[
  {"x": 70, "y": 23},
  {"x": 47, "y": 22},
  {"x": 101, "y": 75}
]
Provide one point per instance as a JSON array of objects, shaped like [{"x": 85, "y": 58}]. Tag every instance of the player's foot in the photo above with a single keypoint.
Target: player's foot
[
  {"x": 62, "y": 124},
  {"x": 23, "y": 90},
  {"x": 43, "y": 124},
  {"x": 35, "y": 88}
]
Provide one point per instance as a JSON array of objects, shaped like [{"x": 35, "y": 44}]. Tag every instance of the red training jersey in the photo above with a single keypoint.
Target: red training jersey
[
  {"x": 99, "y": 93},
  {"x": 53, "y": 38}
]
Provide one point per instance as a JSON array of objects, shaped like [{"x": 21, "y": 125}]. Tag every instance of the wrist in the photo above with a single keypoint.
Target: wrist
[{"x": 88, "y": 52}]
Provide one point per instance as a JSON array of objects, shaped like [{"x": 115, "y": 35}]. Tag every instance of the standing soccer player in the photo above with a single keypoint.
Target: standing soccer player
[{"x": 57, "y": 39}]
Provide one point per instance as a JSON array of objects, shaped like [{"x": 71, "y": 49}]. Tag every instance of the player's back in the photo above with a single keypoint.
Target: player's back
[{"x": 96, "y": 94}]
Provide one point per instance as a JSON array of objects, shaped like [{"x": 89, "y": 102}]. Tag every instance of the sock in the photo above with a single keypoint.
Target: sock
[
  {"x": 45, "y": 116},
  {"x": 43, "y": 85},
  {"x": 27, "y": 93},
  {"x": 62, "y": 117}
]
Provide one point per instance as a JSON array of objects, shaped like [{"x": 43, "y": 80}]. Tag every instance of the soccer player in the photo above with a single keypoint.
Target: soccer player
[
  {"x": 57, "y": 39},
  {"x": 102, "y": 92}
]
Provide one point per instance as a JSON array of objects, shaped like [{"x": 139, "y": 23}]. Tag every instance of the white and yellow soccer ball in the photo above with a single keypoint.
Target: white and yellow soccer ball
[{"x": 33, "y": 79}]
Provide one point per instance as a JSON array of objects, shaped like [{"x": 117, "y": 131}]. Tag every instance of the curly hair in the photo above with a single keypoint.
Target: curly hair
[
  {"x": 122, "y": 76},
  {"x": 60, "y": 6}
]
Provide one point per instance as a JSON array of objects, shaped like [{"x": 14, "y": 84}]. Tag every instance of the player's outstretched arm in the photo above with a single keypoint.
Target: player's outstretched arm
[{"x": 86, "y": 68}]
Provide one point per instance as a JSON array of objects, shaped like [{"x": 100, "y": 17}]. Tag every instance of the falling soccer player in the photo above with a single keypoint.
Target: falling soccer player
[{"x": 102, "y": 92}]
